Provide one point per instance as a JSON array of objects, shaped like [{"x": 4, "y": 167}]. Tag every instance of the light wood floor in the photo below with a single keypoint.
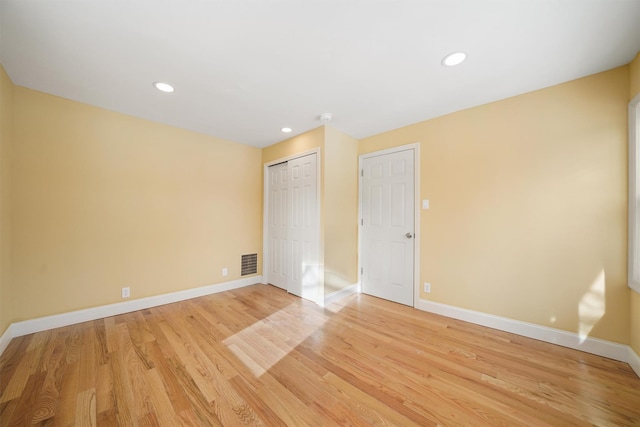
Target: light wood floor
[{"x": 259, "y": 356}]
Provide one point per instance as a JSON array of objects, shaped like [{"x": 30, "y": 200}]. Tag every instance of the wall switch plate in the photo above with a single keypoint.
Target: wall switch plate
[
  {"x": 427, "y": 287},
  {"x": 126, "y": 292},
  {"x": 425, "y": 204},
  {"x": 225, "y": 271}
]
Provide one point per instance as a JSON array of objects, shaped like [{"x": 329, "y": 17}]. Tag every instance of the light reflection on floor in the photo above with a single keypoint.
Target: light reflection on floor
[{"x": 267, "y": 341}]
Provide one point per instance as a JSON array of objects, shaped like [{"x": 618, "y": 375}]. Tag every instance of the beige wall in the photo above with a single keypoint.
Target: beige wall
[
  {"x": 103, "y": 200},
  {"x": 6, "y": 142},
  {"x": 298, "y": 144},
  {"x": 341, "y": 210},
  {"x": 528, "y": 206},
  {"x": 634, "y": 74}
]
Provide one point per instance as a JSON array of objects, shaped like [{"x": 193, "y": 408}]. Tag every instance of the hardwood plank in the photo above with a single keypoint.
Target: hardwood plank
[
  {"x": 11, "y": 359},
  {"x": 25, "y": 404},
  {"x": 247, "y": 393},
  {"x": 20, "y": 377},
  {"x": 201, "y": 408},
  {"x": 259, "y": 356},
  {"x": 123, "y": 392},
  {"x": 174, "y": 390},
  {"x": 73, "y": 344},
  {"x": 368, "y": 407},
  {"x": 100, "y": 342},
  {"x": 164, "y": 410},
  {"x": 104, "y": 391},
  {"x": 111, "y": 334},
  {"x": 88, "y": 365},
  {"x": 86, "y": 408},
  {"x": 134, "y": 367},
  {"x": 66, "y": 412},
  {"x": 48, "y": 399}
]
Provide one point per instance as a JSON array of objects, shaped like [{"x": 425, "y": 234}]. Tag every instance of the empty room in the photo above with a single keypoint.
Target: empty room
[{"x": 319, "y": 213}]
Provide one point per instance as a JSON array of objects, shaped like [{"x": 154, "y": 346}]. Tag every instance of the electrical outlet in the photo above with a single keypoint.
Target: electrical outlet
[
  {"x": 225, "y": 271},
  {"x": 427, "y": 287},
  {"x": 126, "y": 292}
]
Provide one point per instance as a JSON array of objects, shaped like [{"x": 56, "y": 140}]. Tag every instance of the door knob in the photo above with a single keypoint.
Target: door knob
[{"x": 408, "y": 235}]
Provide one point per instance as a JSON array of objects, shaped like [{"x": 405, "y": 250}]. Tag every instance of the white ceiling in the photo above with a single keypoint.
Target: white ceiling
[{"x": 243, "y": 69}]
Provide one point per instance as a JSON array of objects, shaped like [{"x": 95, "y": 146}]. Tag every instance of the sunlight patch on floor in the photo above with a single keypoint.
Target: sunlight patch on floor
[
  {"x": 264, "y": 343},
  {"x": 592, "y": 306}
]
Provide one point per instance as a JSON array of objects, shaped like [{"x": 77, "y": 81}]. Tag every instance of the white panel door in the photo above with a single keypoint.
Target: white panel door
[
  {"x": 387, "y": 227},
  {"x": 304, "y": 227},
  {"x": 278, "y": 222}
]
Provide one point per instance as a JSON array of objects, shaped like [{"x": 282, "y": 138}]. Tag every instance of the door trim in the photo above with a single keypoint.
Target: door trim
[
  {"x": 416, "y": 217},
  {"x": 265, "y": 218}
]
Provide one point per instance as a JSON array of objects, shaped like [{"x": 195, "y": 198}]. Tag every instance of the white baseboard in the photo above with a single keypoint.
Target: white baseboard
[
  {"x": 25, "y": 327},
  {"x": 620, "y": 352},
  {"x": 6, "y": 338},
  {"x": 342, "y": 293},
  {"x": 634, "y": 361}
]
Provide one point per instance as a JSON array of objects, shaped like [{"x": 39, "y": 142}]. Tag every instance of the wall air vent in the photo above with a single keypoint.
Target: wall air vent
[{"x": 249, "y": 264}]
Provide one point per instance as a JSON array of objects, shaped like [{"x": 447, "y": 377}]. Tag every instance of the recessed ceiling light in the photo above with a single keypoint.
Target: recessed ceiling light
[
  {"x": 286, "y": 130},
  {"x": 164, "y": 87},
  {"x": 454, "y": 59}
]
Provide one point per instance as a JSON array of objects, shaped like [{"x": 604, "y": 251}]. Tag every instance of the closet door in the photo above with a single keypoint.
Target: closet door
[
  {"x": 304, "y": 227},
  {"x": 293, "y": 233},
  {"x": 278, "y": 223}
]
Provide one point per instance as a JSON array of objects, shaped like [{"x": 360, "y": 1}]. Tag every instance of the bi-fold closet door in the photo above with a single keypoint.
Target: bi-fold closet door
[{"x": 293, "y": 226}]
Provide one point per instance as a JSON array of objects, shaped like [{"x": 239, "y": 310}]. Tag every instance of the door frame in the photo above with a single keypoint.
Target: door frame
[
  {"x": 416, "y": 217},
  {"x": 266, "y": 257}
]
